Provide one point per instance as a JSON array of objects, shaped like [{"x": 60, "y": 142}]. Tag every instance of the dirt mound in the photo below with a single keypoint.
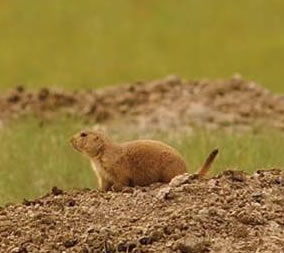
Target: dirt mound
[
  {"x": 161, "y": 104},
  {"x": 234, "y": 212}
]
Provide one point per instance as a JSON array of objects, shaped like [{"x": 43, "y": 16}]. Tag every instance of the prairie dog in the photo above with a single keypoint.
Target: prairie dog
[{"x": 140, "y": 162}]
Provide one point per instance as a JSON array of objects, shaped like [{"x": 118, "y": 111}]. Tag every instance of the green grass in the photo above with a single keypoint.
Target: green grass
[
  {"x": 95, "y": 43},
  {"x": 35, "y": 158}
]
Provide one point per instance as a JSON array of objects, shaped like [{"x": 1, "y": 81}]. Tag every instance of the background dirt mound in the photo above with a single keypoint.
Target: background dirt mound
[
  {"x": 160, "y": 104},
  {"x": 230, "y": 213}
]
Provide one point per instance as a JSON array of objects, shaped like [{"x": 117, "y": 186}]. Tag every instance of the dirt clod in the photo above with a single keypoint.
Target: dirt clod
[
  {"x": 69, "y": 243},
  {"x": 192, "y": 244},
  {"x": 56, "y": 191}
]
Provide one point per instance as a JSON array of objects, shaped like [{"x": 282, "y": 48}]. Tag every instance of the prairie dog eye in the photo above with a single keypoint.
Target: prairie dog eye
[{"x": 83, "y": 134}]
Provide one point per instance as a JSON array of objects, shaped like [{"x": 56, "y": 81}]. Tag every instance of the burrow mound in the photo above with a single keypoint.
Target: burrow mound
[
  {"x": 160, "y": 104},
  {"x": 233, "y": 212}
]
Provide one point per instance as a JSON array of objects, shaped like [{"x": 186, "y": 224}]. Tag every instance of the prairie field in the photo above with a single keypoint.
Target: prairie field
[
  {"x": 197, "y": 75},
  {"x": 100, "y": 43}
]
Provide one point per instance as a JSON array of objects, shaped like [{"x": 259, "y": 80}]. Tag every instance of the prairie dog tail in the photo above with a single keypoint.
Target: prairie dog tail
[{"x": 206, "y": 166}]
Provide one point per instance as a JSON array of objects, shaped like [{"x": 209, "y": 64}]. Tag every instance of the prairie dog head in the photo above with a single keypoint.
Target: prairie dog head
[{"x": 88, "y": 142}]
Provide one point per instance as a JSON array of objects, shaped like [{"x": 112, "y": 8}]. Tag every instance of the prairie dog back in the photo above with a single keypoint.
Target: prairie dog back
[{"x": 152, "y": 161}]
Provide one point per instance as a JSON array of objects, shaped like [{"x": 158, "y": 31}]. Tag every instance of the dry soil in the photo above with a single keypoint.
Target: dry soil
[{"x": 233, "y": 212}]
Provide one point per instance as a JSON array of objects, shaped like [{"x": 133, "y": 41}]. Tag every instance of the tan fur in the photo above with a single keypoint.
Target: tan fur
[
  {"x": 206, "y": 166},
  {"x": 140, "y": 162}
]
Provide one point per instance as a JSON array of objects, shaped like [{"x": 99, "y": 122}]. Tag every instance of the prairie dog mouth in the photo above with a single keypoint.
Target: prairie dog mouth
[{"x": 76, "y": 144}]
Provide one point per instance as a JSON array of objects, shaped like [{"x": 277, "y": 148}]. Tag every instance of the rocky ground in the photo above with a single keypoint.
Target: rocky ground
[
  {"x": 161, "y": 104},
  {"x": 233, "y": 212}
]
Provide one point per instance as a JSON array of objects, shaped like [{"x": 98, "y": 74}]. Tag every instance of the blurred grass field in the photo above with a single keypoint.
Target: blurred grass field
[
  {"x": 90, "y": 44},
  {"x": 95, "y": 43}
]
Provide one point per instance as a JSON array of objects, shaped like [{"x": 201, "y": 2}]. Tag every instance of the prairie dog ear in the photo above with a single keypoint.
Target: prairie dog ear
[{"x": 99, "y": 128}]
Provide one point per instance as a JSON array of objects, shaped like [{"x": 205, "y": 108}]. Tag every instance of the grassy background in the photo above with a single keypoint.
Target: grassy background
[
  {"x": 35, "y": 158},
  {"x": 95, "y": 43}
]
